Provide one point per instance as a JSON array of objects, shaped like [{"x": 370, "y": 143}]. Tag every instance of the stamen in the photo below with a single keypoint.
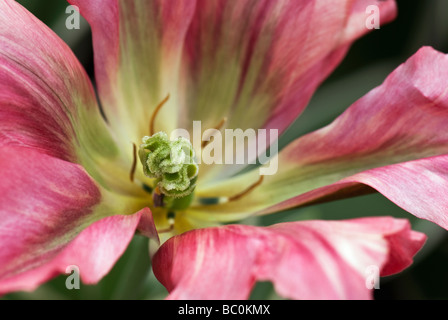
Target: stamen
[
  {"x": 218, "y": 127},
  {"x": 154, "y": 115},
  {"x": 247, "y": 191},
  {"x": 134, "y": 163},
  {"x": 212, "y": 201},
  {"x": 222, "y": 200},
  {"x": 171, "y": 219},
  {"x": 158, "y": 198}
]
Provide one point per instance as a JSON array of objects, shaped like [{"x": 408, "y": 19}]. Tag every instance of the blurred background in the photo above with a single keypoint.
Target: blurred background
[{"x": 371, "y": 59}]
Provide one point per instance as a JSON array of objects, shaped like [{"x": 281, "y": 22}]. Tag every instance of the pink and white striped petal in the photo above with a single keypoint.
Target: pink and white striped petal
[
  {"x": 138, "y": 47},
  {"x": 391, "y": 136},
  {"x": 304, "y": 260},
  {"x": 258, "y": 62},
  {"x": 47, "y": 101}
]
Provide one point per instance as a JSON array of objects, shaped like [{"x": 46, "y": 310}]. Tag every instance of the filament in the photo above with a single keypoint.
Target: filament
[
  {"x": 134, "y": 163},
  {"x": 218, "y": 127},
  {"x": 155, "y": 113},
  {"x": 171, "y": 216},
  {"x": 221, "y": 200}
]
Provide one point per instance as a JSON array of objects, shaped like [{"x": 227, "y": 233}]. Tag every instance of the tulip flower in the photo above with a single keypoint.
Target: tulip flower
[{"x": 75, "y": 190}]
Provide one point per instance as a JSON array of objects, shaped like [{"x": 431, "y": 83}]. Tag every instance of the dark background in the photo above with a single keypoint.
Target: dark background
[{"x": 371, "y": 59}]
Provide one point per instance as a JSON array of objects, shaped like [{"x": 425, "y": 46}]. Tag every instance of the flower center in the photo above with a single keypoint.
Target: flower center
[{"x": 173, "y": 165}]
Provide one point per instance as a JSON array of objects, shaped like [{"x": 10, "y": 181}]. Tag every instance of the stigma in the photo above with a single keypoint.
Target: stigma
[{"x": 173, "y": 165}]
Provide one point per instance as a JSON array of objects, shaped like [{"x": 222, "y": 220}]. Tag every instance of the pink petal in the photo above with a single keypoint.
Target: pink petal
[
  {"x": 103, "y": 16},
  {"x": 304, "y": 260},
  {"x": 94, "y": 251},
  {"x": 379, "y": 141},
  {"x": 46, "y": 202},
  {"x": 282, "y": 50},
  {"x": 44, "y": 91},
  {"x": 48, "y": 117},
  {"x": 403, "y": 120},
  {"x": 419, "y": 187}
]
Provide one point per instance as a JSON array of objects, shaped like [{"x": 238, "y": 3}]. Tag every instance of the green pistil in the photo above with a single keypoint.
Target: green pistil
[{"x": 171, "y": 163}]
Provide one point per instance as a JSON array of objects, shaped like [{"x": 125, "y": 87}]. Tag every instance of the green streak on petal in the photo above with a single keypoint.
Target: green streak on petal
[{"x": 106, "y": 161}]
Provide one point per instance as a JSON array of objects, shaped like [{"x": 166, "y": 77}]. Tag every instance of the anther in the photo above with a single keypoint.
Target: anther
[
  {"x": 147, "y": 188},
  {"x": 218, "y": 127},
  {"x": 171, "y": 220},
  {"x": 155, "y": 113},
  {"x": 158, "y": 198}
]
